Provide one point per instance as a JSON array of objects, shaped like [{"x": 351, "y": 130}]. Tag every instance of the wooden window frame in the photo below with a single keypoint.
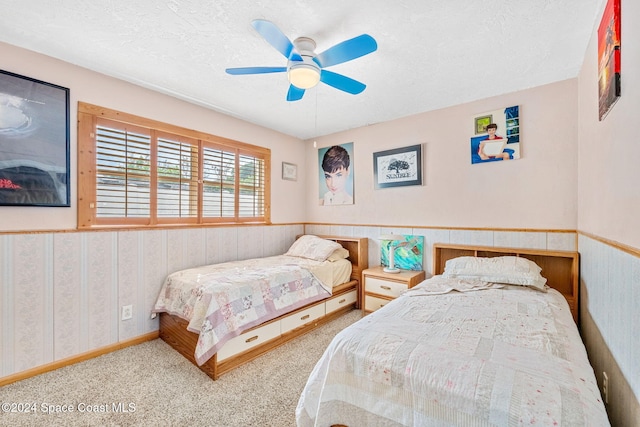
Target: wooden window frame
[{"x": 88, "y": 118}]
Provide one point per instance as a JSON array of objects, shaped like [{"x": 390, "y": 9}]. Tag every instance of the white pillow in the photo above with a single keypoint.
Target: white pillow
[
  {"x": 338, "y": 254},
  {"x": 313, "y": 247},
  {"x": 505, "y": 269}
]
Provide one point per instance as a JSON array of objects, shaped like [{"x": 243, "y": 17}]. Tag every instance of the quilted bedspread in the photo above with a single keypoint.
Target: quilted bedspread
[
  {"x": 221, "y": 301},
  {"x": 502, "y": 356}
]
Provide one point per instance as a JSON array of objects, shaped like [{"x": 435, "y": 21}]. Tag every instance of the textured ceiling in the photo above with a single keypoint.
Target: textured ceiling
[{"x": 431, "y": 53}]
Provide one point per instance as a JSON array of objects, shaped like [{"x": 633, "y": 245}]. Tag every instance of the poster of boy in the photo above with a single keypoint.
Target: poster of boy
[{"x": 496, "y": 135}]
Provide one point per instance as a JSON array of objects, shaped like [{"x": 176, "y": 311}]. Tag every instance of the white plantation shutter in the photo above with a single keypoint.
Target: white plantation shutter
[
  {"x": 251, "y": 179},
  {"x": 122, "y": 172},
  {"x": 135, "y": 171},
  {"x": 218, "y": 177},
  {"x": 177, "y": 172}
]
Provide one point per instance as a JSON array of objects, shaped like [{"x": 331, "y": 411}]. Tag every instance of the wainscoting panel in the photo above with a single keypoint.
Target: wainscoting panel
[
  {"x": 67, "y": 298},
  {"x": 30, "y": 302},
  {"x": 99, "y": 290},
  {"x": 609, "y": 298},
  {"x": 61, "y": 294},
  {"x": 154, "y": 271}
]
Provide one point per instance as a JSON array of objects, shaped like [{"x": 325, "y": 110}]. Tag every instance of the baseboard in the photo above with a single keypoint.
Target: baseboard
[{"x": 77, "y": 358}]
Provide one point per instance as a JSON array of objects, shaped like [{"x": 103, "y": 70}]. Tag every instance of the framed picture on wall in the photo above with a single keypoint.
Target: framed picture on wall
[
  {"x": 609, "y": 58},
  {"x": 398, "y": 167},
  {"x": 34, "y": 142},
  {"x": 336, "y": 175},
  {"x": 289, "y": 171},
  {"x": 499, "y": 136}
]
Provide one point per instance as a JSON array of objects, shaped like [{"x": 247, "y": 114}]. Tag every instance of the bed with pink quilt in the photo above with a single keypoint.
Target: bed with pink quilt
[
  {"x": 486, "y": 342},
  {"x": 206, "y": 312}
]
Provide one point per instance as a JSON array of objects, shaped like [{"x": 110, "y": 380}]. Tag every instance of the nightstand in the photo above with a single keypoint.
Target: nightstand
[{"x": 379, "y": 287}]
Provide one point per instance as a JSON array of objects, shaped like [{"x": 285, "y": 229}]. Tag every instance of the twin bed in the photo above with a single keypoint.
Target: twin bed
[
  {"x": 490, "y": 340},
  {"x": 221, "y": 316},
  {"x": 464, "y": 349}
]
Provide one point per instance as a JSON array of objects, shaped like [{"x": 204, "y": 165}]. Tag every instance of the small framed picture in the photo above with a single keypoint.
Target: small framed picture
[
  {"x": 482, "y": 122},
  {"x": 398, "y": 167},
  {"x": 289, "y": 171}
]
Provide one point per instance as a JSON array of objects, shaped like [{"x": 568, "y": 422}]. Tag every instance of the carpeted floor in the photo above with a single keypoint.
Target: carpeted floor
[{"x": 152, "y": 385}]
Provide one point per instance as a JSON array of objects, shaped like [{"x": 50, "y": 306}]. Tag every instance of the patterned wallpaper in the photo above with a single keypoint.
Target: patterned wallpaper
[
  {"x": 611, "y": 279},
  {"x": 62, "y": 293}
]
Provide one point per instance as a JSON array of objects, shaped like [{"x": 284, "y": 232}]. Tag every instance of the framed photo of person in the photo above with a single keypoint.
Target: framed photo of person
[{"x": 336, "y": 175}]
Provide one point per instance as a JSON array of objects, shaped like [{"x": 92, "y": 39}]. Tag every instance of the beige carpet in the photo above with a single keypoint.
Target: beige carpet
[{"x": 158, "y": 387}]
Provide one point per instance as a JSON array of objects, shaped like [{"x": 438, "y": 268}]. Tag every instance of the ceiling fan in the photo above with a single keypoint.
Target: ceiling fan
[{"x": 304, "y": 68}]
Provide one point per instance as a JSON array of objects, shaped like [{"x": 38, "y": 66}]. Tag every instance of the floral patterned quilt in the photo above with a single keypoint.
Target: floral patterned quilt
[
  {"x": 493, "y": 356},
  {"x": 221, "y": 301}
]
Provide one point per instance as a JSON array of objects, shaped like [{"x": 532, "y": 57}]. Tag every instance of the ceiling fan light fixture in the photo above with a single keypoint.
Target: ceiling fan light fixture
[{"x": 304, "y": 76}]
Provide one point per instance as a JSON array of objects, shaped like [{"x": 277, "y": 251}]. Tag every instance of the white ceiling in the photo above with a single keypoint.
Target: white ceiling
[{"x": 431, "y": 53}]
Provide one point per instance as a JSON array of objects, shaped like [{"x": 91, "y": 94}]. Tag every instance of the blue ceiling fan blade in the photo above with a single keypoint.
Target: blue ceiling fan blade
[
  {"x": 347, "y": 50},
  {"x": 341, "y": 82},
  {"x": 255, "y": 70},
  {"x": 294, "y": 93},
  {"x": 275, "y": 38}
]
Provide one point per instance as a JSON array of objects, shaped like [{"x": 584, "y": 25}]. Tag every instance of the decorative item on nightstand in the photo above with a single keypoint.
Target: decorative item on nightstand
[{"x": 393, "y": 240}]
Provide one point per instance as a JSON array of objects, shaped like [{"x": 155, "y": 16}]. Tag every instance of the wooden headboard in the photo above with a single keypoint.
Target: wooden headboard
[
  {"x": 560, "y": 268},
  {"x": 358, "y": 248}
]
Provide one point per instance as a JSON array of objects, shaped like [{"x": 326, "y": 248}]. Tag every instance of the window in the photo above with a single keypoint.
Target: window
[{"x": 133, "y": 171}]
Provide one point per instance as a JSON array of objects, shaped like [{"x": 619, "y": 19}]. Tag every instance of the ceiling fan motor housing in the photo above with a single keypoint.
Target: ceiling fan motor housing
[{"x": 304, "y": 74}]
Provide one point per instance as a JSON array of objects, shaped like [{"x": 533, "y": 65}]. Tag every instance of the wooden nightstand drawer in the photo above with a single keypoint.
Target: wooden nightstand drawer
[
  {"x": 372, "y": 303},
  {"x": 384, "y": 287},
  {"x": 380, "y": 287}
]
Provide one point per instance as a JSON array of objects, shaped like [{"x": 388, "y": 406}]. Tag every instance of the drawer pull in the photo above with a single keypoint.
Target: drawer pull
[
  {"x": 253, "y": 338},
  {"x": 305, "y": 317},
  {"x": 342, "y": 300},
  {"x": 386, "y": 288},
  {"x": 382, "y": 305}
]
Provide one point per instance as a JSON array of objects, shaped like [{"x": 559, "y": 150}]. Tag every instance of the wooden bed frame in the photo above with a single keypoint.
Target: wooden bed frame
[
  {"x": 560, "y": 268},
  {"x": 173, "y": 329}
]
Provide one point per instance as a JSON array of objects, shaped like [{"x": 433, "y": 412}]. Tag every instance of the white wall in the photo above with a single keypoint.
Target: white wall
[
  {"x": 98, "y": 89},
  {"x": 537, "y": 191},
  {"x": 609, "y": 150}
]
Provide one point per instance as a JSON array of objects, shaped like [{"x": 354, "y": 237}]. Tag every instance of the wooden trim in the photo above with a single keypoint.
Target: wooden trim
[
  {"x": 132, "y": 119},
  {"x": 77, "y": 358},
  {"x": 620, "y": 246},
  {"x": 440, "y": 227},
  {"x": 159, "y": 227}
]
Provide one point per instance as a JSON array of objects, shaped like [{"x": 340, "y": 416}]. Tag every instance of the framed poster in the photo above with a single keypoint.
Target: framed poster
[
  {"x": 496, "y": 135},
  {"x": 398, "y": 167},
  {"x": 609, "y": 58},
  {"x": 34, "y": 142},
  {"x": 336, "y": 175}
]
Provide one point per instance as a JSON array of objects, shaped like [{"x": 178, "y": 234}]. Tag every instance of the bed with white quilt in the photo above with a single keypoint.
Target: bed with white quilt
[
  {"x": 207, "y": 312},
  {"x": 491, "y": 340}
]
